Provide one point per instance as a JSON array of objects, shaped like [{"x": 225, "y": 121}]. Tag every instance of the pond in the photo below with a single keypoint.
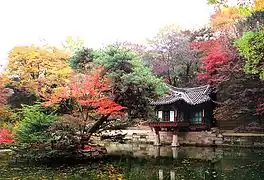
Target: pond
[{"x": 146, "y": 162}]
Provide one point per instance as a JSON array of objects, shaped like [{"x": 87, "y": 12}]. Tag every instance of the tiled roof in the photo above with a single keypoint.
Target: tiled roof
[{"x": 192, "y": 96}]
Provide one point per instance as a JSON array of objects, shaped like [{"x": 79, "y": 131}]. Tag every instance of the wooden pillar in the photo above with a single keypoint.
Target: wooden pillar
[
  {"x": 160, "y": 174},
  {"x": 157, "y": 137},
  {"x": 156, "y": 151},
  {"x": 172, "y": 175},
  {"x": 175, "y": 142},
  {"x": 174, "y": 152}
]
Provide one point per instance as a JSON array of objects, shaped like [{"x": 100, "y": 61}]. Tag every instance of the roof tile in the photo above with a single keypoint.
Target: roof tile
[{"x": 192, "y": 96}]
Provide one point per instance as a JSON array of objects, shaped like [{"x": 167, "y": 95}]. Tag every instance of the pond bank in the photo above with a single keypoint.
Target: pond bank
[
  {"x": 139, "y": 162},
  {"x": 201, "y": 138}
]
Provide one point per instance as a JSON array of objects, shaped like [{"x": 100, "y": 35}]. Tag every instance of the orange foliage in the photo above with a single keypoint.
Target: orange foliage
[
  {"x": 4, "y": 92},
  {"x": 225, "y": 18},
  {"x": 91, "y": 92}
]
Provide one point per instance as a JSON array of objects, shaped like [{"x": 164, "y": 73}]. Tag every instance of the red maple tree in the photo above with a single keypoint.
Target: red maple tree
[
  {"x": 6, "y": 136},
  {"x": 222, "y": 67},
  {"x": 90, "y": 92},
  {"x": 90, "y": 97},
  {"x": 216, "y": 59}
]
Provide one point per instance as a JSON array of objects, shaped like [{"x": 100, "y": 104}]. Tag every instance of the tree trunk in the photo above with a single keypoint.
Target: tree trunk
[
  {"x": 86, "y": 137},
  {"x": 98, "y": 123}
]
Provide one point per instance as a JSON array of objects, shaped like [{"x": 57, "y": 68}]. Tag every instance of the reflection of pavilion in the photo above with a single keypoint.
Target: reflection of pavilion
[
  {"x": 168, "y": 161},
  {"x": 172, "y": 174},
  {"x": 202, "y": 153},
  {"x": 175, "y": 152},
  {"x": 148, "y": 150}
]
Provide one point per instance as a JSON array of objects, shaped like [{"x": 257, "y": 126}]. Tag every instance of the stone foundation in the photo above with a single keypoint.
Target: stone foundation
[{"x": 199, "y": 138}]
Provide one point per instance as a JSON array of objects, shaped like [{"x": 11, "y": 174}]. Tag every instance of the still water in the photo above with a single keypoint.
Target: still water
[{"x": 146, "y": 162}]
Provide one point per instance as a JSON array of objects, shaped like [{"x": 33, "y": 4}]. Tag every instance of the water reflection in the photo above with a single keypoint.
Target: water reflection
[
  {"x": 148, "y": 162},
  {"x": 172, "y": 175},
  {"x": 166, "y": 162},
  {"x": 143, "y": 150}
]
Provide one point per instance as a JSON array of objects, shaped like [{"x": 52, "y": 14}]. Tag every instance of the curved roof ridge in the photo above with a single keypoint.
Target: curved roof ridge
[
  {"x": 193, "y": 96},
  {"x": 192, "y": 88}
]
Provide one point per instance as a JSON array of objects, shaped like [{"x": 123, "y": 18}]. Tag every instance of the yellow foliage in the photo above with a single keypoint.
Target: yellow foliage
[
  {"x": 259, "y": 5},
  {"x": 38, "y": 69},
  {"x": 5, "y": 114},
  {"x": 225, "y": 17}
]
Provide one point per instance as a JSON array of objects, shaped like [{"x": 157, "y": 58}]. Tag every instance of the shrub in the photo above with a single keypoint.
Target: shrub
[{"x": 34, "y": 124}]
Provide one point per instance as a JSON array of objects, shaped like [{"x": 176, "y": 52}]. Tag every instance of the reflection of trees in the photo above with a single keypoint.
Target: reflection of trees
[
  {"x": 143, "y": 150},
  {"x": 191, "y": 162}
]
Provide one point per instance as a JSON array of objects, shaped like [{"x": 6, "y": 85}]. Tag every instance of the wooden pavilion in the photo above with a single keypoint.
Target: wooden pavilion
[{"x": 183, "y": 109}]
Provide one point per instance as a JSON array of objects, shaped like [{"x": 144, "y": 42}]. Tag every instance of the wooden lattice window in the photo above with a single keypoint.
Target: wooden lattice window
[
  {"x": 197, "y": 117},
  {"x": 166, "y": 116}
]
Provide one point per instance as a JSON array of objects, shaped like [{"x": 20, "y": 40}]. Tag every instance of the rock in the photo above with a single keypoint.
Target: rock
[
  {"x": 220, "y": 135},
  {"x": 93, "y": 151},
  {"x": 217, "y": 142}
]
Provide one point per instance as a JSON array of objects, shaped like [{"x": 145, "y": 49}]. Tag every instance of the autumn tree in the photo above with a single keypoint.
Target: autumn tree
[
  {"x": 225, "y": 18},
  {"x": 91, "y": 102},
  {"x": 37, "y": 69},
  {"x": 133, "y": 83},
  {"x": 216, "y": 60},
  {"x": 6, "y": 137},
  {"x": 171, "y": 57},
  {"x": 237, "y": 92},
  {"x": 5, "y": 134},
  {"x": 4, "y": 92},
  {"x": 258, "y": 5}
]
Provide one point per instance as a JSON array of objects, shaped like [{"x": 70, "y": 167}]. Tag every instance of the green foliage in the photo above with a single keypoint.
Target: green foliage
[
  {"x": 133, "y": 82},
  {"x": 125, "y": 64},
  {"x": 34, "y": 123},
  {"x": 251, "y": 46},
  {"x": 82, "y": 59},
  {"x": 142, "y": 76}
]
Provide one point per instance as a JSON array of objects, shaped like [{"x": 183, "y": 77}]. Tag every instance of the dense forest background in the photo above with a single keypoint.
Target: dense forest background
[{"x": 73, "y": 88}]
